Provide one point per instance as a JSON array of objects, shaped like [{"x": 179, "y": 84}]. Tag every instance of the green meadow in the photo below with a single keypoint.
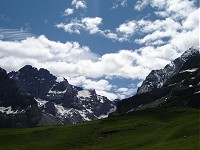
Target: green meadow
[{"x": 152, "y": 129}]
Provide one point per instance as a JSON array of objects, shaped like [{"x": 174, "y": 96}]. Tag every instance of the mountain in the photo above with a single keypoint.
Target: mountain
[
  {"x": 17, "y": 108},
  {"x": 56, "y": 97},
  {"x": 176, "y": 88},
  {"x": 157, "y": 78}
]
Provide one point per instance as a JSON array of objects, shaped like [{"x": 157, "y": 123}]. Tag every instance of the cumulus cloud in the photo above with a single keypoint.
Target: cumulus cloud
[
  {"x": 124, "y": 31},
  {"x": 73, "y": 27},
  {"x": 79, "y": 4},
  {"x": 170, "y": 22},
  {"x": 161, "y": 40},
  {"x": 76, "y": 60},
  {"x": 77, "y": 63},
  {"x": 177, "y": 21},
  {"x": 87, "y": 24},
  {"x": 91, "y": 24},
  {"x": 127, "y": 28},
  {"x": 68, "y": 11},
  {"x": 43, "y": 50}
]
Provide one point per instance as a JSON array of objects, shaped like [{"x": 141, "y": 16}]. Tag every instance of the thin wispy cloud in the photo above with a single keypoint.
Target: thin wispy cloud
[
  {"x": 4, "y": 18},
  {"x": 14, "y": 34},
  {"x": 118, "y": 3}
]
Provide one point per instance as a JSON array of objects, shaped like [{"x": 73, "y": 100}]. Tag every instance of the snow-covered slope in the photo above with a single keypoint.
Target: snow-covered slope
[
  {"x": 157, "y": 78},
  {"x": 57, "y": 97}
]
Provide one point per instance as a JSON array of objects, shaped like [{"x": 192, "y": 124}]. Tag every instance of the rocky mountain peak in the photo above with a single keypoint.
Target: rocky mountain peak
[
  {"x": 55, "y": 96},
  {"x": 180, "y": 89},
  {"x": 17, "y": 108},
  {"x": 157, "y": 78},
  {"x": 189, "y": 53}
]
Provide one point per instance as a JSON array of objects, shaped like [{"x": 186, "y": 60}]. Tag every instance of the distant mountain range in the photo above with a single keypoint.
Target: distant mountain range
[
  {"x": 57, "y": 101},
  {"x": 177, "y": 85},
  {"x": 32, "y": 97}
]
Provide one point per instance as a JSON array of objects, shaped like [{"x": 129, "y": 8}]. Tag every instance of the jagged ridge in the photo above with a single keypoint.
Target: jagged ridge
[
  {"x": 157, "y": 78},
  {"x": 57, "y": 97},
  {"x": 180, "y": 90}
]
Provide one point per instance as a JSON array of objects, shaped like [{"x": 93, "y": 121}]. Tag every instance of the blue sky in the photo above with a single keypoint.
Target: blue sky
[{"x": 107, "y": 45}]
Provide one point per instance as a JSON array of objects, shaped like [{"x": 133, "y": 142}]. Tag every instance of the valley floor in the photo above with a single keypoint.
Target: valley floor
[{"x": 153, "y": 129}]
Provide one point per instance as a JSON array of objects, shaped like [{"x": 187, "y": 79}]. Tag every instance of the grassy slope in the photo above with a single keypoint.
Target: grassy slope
[{"x": 153, "y": 129}]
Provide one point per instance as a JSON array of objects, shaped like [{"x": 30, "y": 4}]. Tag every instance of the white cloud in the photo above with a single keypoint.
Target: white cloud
[
  {"x": 91, "y": 24},
  {"x": 127, "y": 28},
  {"x": 192, "y": 20},
  {"x": 73, "y": 27},
  {"x": 42, "y": 50},
  {"x": 176, "y": 9},
  {"x": 125, "y": 92},
  {"x": 180, "y": 20},
  {"x": 83, "y": 68},
  {"x": 87, "y": 24},
  {"x": 68, "y": 11},
  {"x": 79, "y": 4},
  {"x": 171, "y": 15},
  {"x": 76, "y": 60},
  {"x": 14, "y": 34},
  {"x": 118, "y": 3},
  {"x": 141, "y": 4},
  {"x": 161, "y": 39},
  {"x": 87, "y": 83},
  {"x": 109, "y": 95}
]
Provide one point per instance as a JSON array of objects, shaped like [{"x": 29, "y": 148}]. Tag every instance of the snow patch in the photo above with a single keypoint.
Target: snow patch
[
  {"x": 99, "y": 97},
  {"x": 83, "y": 114},
  {"x": 57, "y": 92},
  {"x": 7, "y": 110},
  {"x": 189, "y": 70},
  {"x": 41, "y": 102},
  {"x": 61, "y": 111},
  {"x": 198, "y": 92}
]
